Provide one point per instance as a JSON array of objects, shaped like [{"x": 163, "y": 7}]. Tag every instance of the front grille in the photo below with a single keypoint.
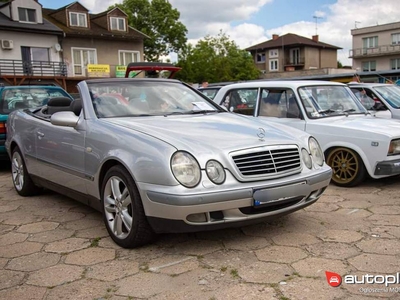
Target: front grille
[{"x": 270, "y": 161}]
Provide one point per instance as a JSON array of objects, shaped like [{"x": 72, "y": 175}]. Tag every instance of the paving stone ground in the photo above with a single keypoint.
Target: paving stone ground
[{"x": 52, "y": 247}]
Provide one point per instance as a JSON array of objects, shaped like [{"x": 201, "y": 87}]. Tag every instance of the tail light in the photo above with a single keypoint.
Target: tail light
[{"x": 2, "y": 127}]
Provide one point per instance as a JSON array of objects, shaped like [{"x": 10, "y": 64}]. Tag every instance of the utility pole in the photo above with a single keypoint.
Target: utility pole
[{"x": 316, "y": 24}]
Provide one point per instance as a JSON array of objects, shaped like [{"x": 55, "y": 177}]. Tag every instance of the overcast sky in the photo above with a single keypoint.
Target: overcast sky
[{"x": 249, "y": 22}]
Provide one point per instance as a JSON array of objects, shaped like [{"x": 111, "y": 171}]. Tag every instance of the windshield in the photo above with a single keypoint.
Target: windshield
[
  {"x": 17, "y": 97},
  {"x": 146, "y": 98},
  {"x": 327, "y": 100},
  {"x": 390, "y": 93},
  {"x": 210, "y": 92}
]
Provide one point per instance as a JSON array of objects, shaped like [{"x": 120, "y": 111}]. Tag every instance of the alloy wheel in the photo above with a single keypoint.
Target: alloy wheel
[{"x": 118, "y": 207}]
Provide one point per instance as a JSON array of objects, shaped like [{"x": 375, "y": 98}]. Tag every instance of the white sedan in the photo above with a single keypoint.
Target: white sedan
[{"x": 355, "y": 143}]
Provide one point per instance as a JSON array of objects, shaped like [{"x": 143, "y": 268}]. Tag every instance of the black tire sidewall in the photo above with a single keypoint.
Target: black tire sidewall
[
  {"x": 134, "y": 237},
  {"x": 28, "y": 187}
]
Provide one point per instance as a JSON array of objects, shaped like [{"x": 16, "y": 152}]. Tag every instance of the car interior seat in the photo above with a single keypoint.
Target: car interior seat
[
  {"x": 57, "y": 104},
  {"x": 76, "y": 106},
  {"x": 20, "y": 104}
]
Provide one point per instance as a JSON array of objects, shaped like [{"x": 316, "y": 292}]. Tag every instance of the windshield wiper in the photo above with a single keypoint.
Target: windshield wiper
[
  {"x": 203, "y": 111},
  {"x": 177, "y": 113},
  {"x": 349, "y": 110},
  {"x": 326, "y": 111}
]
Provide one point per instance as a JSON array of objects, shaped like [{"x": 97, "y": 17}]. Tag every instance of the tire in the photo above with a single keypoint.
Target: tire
[
  {"x": 22, "y": 181},
  {"x": 348, "y": 169},
  {"x": 125, "y": 219}
]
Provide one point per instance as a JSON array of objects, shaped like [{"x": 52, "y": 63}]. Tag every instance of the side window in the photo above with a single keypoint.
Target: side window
[
  {"x": 368, "y": 99},
  {"x": 242, "y": 101},
  {"x": 279, "y": 103}
]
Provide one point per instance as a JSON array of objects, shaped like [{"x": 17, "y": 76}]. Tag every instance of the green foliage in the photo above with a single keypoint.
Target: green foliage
[
  {"x": 215, "y": 59},
  {"x": 339, "y": 65},
  {"x": 158, "y": 20}
]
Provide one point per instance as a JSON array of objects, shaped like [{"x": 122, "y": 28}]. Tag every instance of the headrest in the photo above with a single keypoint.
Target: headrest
[
  {"x": 76, "y": 106},
  {"x": 59, "y": 101}
]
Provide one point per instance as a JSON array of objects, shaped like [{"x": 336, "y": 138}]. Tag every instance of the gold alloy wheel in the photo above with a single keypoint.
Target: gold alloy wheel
[{"x": 345, "y": 165}]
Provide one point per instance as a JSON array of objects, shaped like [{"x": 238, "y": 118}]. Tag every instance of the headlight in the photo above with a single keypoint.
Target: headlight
[
  {"x": 394, "y": 147},
  {"x": 185, "y": 169},
  {"x": 306, "y": 158},
  {"x": 316, "y": 151},
  {"x": 215, "y": 172}
]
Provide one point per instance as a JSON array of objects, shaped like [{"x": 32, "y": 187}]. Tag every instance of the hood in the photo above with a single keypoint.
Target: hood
[
  {"x": 205, "y": 133},
  {"x": 365, "y": 123}
]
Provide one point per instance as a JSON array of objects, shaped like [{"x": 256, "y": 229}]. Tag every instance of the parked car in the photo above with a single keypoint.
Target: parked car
[
  {"x": 382, "y": 100},
  {"x": 209, "y": 91},
  {"x": 355, "y": 143},
  {"x": 15, "y": 97},
  {"x": 169, "y": 161},
  {"x": 151, "y": 70}
]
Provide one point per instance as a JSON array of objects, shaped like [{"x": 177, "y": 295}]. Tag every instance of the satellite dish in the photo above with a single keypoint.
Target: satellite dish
[{"x": 57, "y": 47}]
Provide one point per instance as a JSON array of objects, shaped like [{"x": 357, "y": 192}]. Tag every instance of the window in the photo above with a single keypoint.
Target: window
[
  {"x": 32, "y": 54},
  {"x": 370, "y": 42},
  {"x": 117, "y": 24},
  {"x": 395, "y": 38},
  {"x": 395, "y": 64},
  {"x": 279, "y": 103},
  {"x": 40, "y": 54},
  {"x": 273, "y": 53},
  {"x": 273, "y": 65},
  {"x": 242, "y": 101},
  {"x": 369, "y": 66},
  {"x": 294, "y": 56},
  {"x": 126, "y": 57},
  {"x": 81, "y": 58},
  {"x": 27, "y": 15},
  {"x": 260, "y": 57},
  {"x": 77, "y": 19}
]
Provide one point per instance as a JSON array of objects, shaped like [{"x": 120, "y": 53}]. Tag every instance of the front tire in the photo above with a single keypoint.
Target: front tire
[
  {"x": 123, "y": 211},
  {"x": 22, "y": 181},
  {"x": 348, "y": 169}
]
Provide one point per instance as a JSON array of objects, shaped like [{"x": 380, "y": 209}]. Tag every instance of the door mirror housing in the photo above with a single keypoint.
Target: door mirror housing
[{"x": 64, "y": 118}]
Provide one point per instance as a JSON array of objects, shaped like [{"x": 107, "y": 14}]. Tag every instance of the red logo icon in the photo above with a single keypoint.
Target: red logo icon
[{"x": 333, "y": 279}]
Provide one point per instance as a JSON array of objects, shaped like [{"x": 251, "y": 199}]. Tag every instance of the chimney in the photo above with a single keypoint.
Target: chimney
[
  {"x": 275, "y": 36},
  {"x": 315, "y": 38}
]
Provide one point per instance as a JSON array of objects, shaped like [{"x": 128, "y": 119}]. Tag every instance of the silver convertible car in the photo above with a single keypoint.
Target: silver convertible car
[{"x": 155, "y": 155}]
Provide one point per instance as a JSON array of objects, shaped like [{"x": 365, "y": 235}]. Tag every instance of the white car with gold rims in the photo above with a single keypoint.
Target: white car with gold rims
[{"x": 355, "y": 143}]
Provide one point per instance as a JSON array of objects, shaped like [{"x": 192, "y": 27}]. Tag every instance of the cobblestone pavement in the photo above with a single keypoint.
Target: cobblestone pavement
[{"x": 52, "y": 247}]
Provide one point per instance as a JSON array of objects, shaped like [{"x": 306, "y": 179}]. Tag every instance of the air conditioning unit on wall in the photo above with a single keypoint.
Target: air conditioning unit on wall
[{"x": 7, "y": 44}]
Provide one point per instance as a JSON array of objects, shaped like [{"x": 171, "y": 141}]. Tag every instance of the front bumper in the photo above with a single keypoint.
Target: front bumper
[
  {"x": 388, "y": 168},
  {"x": 246, "y": 203}
]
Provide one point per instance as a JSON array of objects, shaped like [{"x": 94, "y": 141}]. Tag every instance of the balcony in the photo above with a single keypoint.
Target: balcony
[
  {"x": 40, "y": 69},
  {"x": 377, "y": 51},
  {"x": 299, "y": 61}
]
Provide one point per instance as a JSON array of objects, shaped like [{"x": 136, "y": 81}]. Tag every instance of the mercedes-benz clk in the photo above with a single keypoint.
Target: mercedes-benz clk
[{"x": 155, "y": 155}]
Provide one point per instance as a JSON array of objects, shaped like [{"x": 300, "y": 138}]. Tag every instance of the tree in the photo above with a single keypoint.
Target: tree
[
  {"x": 339, "y": 64},
  {"x": 158, "y": 20},
  {"x": 216, "y": 59}
]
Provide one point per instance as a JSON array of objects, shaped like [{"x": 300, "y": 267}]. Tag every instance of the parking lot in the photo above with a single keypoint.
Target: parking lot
[{"x": 52, "y": 247}]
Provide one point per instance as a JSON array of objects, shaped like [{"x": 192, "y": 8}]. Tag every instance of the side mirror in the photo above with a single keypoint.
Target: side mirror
[{"x": 64, "y": 118}]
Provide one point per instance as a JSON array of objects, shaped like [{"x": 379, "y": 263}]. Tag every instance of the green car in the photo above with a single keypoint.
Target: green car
[{"x": 20, "y": 97}]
